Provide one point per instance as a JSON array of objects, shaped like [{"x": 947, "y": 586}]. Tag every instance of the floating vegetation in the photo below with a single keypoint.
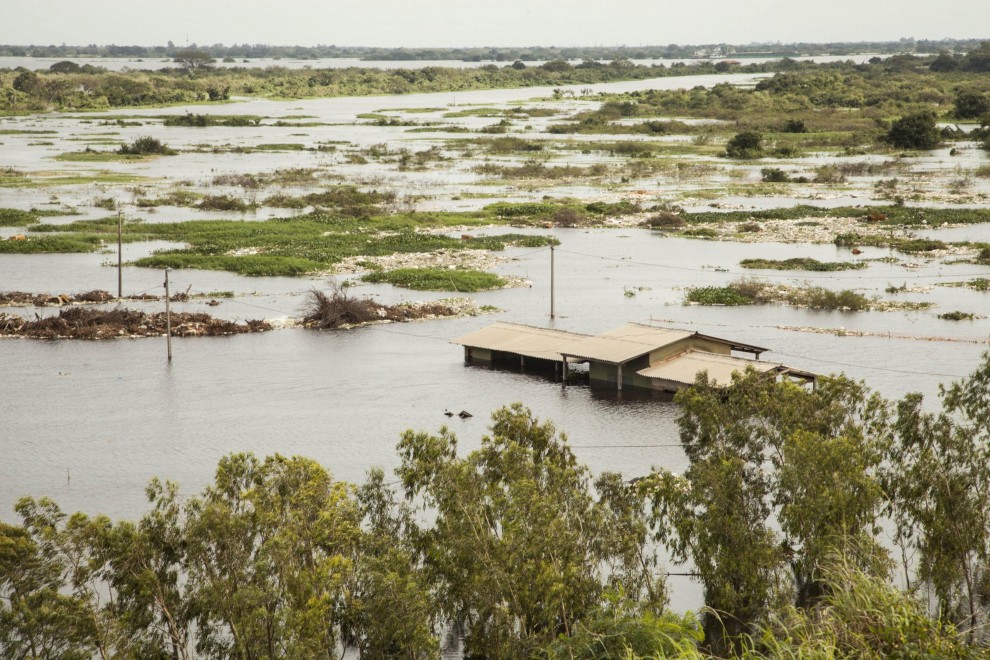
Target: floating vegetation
[
  {"x": 295, "y": 176},
  {"x": 957, "y": 316},
  {"x": 203, "y": 121},
  {"x": 752, "y": 292},
  {"x": 908, "y": 245},
  {"x": 438, "y": 279},
  {"x": 801, "y": 263}
]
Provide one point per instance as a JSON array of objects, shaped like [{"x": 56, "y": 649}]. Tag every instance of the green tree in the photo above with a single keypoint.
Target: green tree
[
  {"x": 939, "y": 483},
  {"x": 750, "y": 448},
  {"x": 945, "y": 62},
  {"x": 914, "y": 131},
  {"x": 390, "y": 612},
  {"x": 39, "y": 618},
  {"x": 518, "y": 543},
  {"x": 977, "y": 59},
  {"x": 194, "y": 59},
  {"x": 271, "y": 549}
]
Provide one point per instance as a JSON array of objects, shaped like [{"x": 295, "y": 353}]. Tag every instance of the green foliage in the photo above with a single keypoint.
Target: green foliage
[
  {"x": 972, "y": 105},
  {"x": 914, "y": 131},
  {"x": 194, "y": 59},
  {"x": 957, "y": 316},
  {"x": 748, "y": 144},
  {"x": 438, "y": 279},
  {"x": 146, "y": 146},
  {"x": 619, "y": 629},
  {"x": 284, "y": 246},
  {"x": 202, "y": 121},
  {"x": 224, "y": 203},
  {"x": 16, "y": 218},
  {"x": 909, "y": 245},
  {"x": 801, "y": 263},
  {"x": 862, "y": 616},
  {"x": 750, "y": 447},
  {"x": 250, "y": 265},
  {"x": 774, "y": 175},
  {"x": 717, "y": 295},
  {"x": 938, "y": 479},
  {"x": 518, "y": 542},
  {"x": 53, "y": 244}
]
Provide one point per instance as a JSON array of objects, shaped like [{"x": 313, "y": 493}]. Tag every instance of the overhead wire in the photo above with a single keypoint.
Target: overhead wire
[{"x": 760, "y": 276}]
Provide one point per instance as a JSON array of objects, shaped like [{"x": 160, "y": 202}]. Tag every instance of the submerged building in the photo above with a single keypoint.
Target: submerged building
[{"x": 634, "y": 355}]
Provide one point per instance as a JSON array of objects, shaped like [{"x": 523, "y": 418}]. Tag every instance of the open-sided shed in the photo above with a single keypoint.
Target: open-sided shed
[{"x": 633, "y": 355}]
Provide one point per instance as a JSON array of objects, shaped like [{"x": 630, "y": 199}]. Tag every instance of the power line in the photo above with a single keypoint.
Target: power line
[{"x": 758, "y": 276}]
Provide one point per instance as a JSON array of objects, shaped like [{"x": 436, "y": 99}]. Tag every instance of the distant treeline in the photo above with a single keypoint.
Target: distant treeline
[
  {"x": 933, "y": 82},
  {"x": 499, "y": 54},
  {"x": 67, "y": 85}
]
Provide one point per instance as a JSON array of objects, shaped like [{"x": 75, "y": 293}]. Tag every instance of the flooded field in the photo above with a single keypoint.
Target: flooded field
[{"x": 90, "y": 423}]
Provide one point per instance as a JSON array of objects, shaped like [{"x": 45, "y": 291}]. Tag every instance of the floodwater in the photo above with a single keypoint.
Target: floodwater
[{"x": 89, "y": 423}]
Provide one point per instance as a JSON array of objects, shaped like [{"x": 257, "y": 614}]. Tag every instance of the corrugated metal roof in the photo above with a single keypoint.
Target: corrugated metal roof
[
  {"x": 684, "y": 367},
  {"x": 526, "y": 340},
  {"x": 626, "y": 343}
]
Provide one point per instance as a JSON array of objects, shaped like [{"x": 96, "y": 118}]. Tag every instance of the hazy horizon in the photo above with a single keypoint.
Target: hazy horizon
[{"x": 508, "y": 24}]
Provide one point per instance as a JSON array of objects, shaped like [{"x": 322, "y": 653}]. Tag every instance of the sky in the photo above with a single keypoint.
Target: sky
[{"x": 455, "y": 23}]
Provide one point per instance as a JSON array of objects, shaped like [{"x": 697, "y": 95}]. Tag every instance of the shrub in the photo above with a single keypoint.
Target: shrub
[
  {"x": 794, "y": 126},
  {"x": 914, "y": 131},
  {"x": 665, "y": 220},
  {"x": 748, "y": 144},
  {"x": 224, "y": 203},
  {"x": 717, "y": 295},
  {"x": 829, "y": 174},
  {"x": 327, "y": 311},
  {"x": 774, "y": 175},
  {"x": 957, "y": 316},
  {"x": 146, "y": 146},
  {"x": 972, "y": 105},
  {"x": 568, "y": 217},
  {"x": 817, "y": 297}
]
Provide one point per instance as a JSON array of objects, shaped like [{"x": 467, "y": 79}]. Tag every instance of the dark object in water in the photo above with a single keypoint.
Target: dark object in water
[{"x": 464, "y": 414}]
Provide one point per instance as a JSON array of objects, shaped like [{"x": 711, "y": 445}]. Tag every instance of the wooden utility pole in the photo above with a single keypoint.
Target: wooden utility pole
[
  {"x": 120, "y": 262},
  {"x": 553, "y": 314},
  {"x": 168, "y": 318}
]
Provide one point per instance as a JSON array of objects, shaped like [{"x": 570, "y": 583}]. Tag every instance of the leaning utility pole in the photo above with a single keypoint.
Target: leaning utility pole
[{"x": 168, "y": 318}]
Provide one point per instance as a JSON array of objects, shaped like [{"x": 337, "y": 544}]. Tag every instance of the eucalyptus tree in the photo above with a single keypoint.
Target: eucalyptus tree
[
  {"x": 519, "y": 548},
  {"x": 939, "y": 482},
  {"x": 778, "y": 477}
]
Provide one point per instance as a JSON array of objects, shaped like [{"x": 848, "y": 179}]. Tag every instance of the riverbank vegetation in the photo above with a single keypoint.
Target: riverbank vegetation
[{"x": 519, "y": 551}]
